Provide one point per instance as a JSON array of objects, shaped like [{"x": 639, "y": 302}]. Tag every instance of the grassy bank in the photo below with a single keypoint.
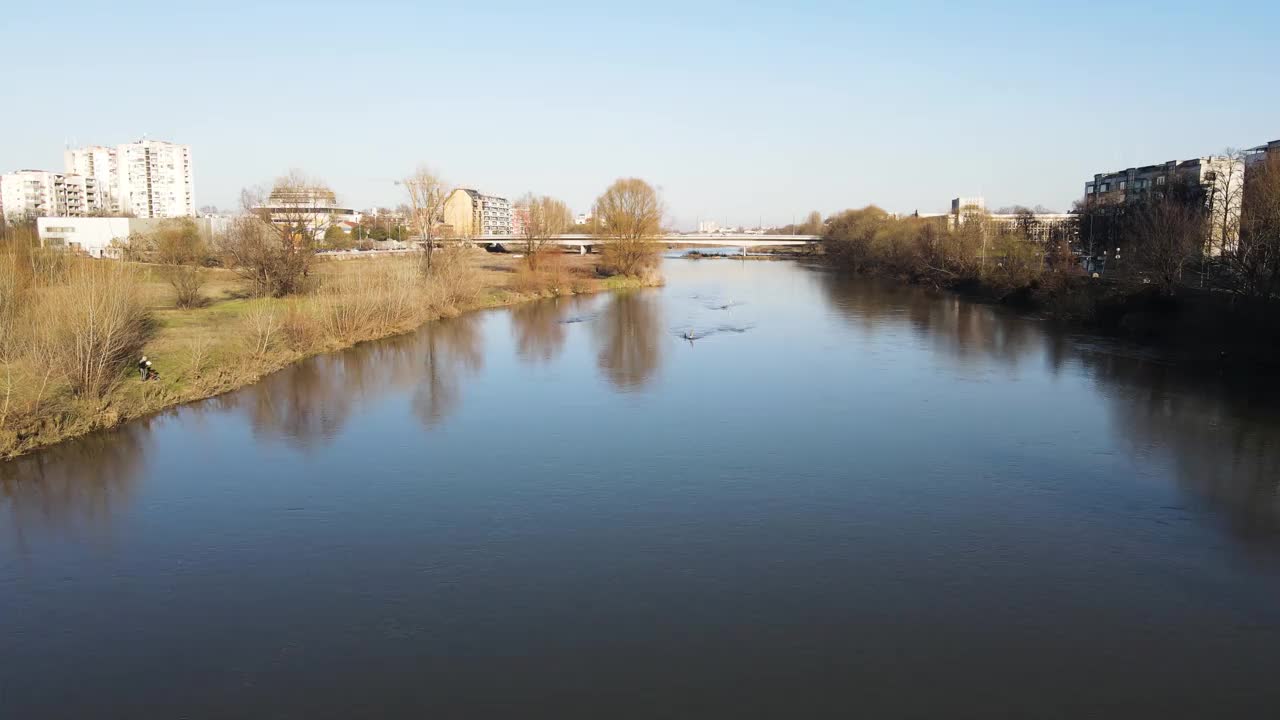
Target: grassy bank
[{"x": 71, "y": 332}]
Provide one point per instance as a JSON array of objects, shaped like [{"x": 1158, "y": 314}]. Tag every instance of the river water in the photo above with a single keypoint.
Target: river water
[{"x": 842, "y": 498}]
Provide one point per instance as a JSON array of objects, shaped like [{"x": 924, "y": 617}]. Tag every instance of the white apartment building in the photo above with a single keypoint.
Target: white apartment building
[
  {"x": 495, "y": 215},
  {"x": 39, "y": 193},
  {"x": 147, "y": 178},
  {"x": 99, "y": 163}
]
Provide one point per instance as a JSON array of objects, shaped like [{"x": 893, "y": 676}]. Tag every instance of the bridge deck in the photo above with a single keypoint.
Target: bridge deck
[{"x": 718, "y": 240}]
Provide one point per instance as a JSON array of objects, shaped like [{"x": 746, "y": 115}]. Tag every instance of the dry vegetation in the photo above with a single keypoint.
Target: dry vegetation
[{"x": 71, "y": 328}]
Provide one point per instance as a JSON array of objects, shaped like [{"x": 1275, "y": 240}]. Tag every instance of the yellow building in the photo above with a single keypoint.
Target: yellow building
[
  {"x": 460, "y": 212},
  {"x": 471, "y": 213}
]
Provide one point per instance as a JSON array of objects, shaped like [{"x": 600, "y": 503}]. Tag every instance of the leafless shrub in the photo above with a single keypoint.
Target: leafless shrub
[
  {"x": 301, "y": 331},
  {"x": 263, "y": 326},
  {"x": 89, "y": 329},
  {"x": 372, "y": 303},
  {"x": 187, "y": 281},
  {"x": 197, "y": 355},
  {"x": 455, "y": 275}
]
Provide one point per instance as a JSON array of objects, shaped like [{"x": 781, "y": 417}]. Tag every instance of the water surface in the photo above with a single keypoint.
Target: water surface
[{"x": 840, "y": 498}]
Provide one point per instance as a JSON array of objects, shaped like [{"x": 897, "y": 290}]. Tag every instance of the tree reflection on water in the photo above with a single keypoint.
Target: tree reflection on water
[
  {"x": 1221, "y": 433},
  {"x": 75, "y": 486},
  {"x": 629, "y": 335}
]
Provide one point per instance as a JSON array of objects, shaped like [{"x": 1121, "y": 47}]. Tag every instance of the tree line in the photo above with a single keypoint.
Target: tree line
[{"x": 1223, "y": 235}]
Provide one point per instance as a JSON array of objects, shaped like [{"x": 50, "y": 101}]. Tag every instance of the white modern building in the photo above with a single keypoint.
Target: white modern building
[
  {"x": 106, "y": 236},
  {"x": 39, "y": 193},
  {"x": 147, "y": 178},
  {"x": 309, "y": 210}
]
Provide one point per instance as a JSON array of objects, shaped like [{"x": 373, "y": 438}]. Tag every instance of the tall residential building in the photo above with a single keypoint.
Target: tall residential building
[
  {"x": 471, "y": 213},
  {"x": 519, "y": 219},
  {"x": 99, "y": 163},
  {"x": 147, "y": 178},
  {"x": 29, "y": 194},
  {"x": 1218, "y": 175},
  {"x": 1136, "y": 183}
]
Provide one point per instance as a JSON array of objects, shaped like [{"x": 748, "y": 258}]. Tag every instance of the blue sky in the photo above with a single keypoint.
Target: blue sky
[{"x": 740, "y": 112}]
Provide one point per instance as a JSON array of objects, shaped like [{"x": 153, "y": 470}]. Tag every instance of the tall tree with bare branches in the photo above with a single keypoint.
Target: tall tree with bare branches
[
  {"x": 273, "y": 243},
  {"x": 1167, "y": 233},
  {"x": 1224, "y": 194},
  {"x": 427, "y": 193},
  {"x": 544, "y": 218},
  {"x": 1256, "y": 260}
]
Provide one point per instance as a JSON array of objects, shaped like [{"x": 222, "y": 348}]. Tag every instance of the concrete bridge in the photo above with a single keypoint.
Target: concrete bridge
[{"x": 585, "y": 243}]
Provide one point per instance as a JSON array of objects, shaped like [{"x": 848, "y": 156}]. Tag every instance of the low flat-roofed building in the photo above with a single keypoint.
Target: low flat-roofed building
[{"x": 105, "y": 236}]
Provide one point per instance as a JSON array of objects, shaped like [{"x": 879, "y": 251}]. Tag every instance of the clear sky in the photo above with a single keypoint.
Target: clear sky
[{"x": 738, "y": 111}]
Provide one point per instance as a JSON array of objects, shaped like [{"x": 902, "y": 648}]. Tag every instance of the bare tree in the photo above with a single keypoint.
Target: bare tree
[
  {"x": 1167, "y": 234},
  {"x": 273, "y": 243},
  {"x": 177, "y": 245},
  {"x": 1256, "y": 259},
  {"x": 812, "y": 224},
  {"x": 544, "y": 218},
  {"x": 1224, "y": 195},
  {"x": 427, "y": 193},
  {"x": 628, "y": 220}
]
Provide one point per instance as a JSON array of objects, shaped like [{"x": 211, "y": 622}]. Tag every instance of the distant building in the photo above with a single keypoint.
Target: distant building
[
  {"x": 519, "y": 219},
  {"x": 708, "y": 226},
  {"x": 313, "y": 209},
  {"x": 104, "y": 236},
  {"x": 1040, "y": 226},
  {"x": 99, "y": 163},
  {"x": 147, "y": 178},
  {"x": 39, "y": 193},
  {"x": 1211, "y": 173},
  {"x": 582, "y": 219},
  {"x": 471, "y": 213}
]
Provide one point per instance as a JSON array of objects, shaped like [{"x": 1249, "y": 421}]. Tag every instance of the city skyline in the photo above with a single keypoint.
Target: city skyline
[{"x": 740, "y": 114}]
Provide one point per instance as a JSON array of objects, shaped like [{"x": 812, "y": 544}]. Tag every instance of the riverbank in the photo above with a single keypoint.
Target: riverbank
[
  {"x": 233, "y": 339},
  {"x": 1200, "y": 327}
]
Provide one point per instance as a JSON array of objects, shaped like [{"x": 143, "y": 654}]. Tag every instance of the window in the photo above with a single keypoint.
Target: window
[
  {"x": 1160, "y": 180},
  {"x": 1122, "y": 184},
  {"x": 1104, "y": 187}
]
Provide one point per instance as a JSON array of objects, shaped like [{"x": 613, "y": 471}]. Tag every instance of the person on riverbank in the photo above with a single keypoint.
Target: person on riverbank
[{"x": 142, "y": 367}]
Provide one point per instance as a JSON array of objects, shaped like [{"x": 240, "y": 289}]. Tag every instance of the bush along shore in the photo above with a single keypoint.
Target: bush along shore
[
  {"x": 215, "y": 314},
  {"x": 1166, "y": 285},
  {"x": 73, "y": 329}
]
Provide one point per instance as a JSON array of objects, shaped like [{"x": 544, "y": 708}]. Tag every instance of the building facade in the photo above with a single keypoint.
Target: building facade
[
  {"x": 27, "y": 194},
  {"x": 1220, "y": 177},
  {"x": 1255, "y": 155},
  {"x": 1040, "y": 226},
  {"x": 470, "y": 213},
  {"x": 99, "y": 163},
  {"x": 106, "y": 236},
  {"x": 519, "y": 219},
  {"x": 147, "y": 178},
  {"x": 311, "y": 211}
]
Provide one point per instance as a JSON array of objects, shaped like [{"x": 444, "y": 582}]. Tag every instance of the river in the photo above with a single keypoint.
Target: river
[{"x": 841, "y": 498}]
